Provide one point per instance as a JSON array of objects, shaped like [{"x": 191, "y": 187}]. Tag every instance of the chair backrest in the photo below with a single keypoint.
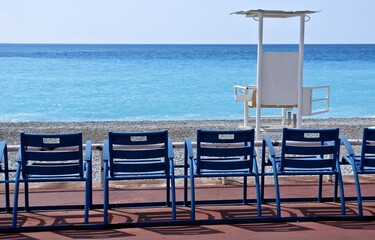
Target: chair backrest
[
  {"x": 140, "y": 152},
  {"x": 51, "y": 154},
  {"x": 368, "y": 148},
  {"x": 310, "y": 148},
  {"x": 225, "y": 150}
]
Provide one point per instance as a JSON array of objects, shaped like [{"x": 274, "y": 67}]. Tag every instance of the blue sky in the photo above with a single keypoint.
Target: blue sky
[{"x": 180, "y": 21}]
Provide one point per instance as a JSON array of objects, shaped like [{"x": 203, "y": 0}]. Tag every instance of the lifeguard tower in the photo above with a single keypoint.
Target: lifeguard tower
[{"x": 280, "y": 80}]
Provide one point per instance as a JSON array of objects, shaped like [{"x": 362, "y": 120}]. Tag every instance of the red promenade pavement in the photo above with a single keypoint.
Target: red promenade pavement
[{"x": 68, "y": 194}]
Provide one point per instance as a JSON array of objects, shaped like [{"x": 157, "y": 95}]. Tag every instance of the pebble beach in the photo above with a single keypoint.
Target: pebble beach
[
  {"x": 178, "y": 130},
  {"x": 97, "y": 130}
]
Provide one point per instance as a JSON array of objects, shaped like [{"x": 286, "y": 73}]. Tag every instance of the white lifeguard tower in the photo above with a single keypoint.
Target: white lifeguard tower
[{"x": 280, "y": 79}]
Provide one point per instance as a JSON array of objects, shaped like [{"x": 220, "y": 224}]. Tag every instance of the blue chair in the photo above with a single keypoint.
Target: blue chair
[
  {"x": 4, "y": 168},
  {"x": 305, "y": 152},
  {"x": 52, "y": 158},
  {"x": 361, "y": 164},
  {"x": 222, "y": 154},
  {"x": 132, "y": 156}
]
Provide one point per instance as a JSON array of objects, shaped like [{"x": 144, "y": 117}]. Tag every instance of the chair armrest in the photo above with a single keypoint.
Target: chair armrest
[
  {"x": 170, "y": 149},
  {"x": 88, "y": 151},
  {"x": 105, "y": 150},
  {"x": 3, "y": 148},
  {"x": 189, "y": 155},
  {"x": 189, "y": 148},
  {"x": 267, "y": 143},
  {"x": 19, "y": 155},
  {"x": 171, "y": 167},
  {"x": 347, "y": 145}
]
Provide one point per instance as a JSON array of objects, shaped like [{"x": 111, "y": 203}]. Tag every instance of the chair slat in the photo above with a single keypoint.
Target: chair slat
[
  {"x": 138, "y": 138},
  {"x": 369, "y": 149},
  {"x": 306, "y": 163},
  {"x": 53, "y": 156},
  {"x": 46, "y": 140},
  {"x": 369, "y": 134},
  {"x": 222, "y": 165},
  {"x": 225, "y": 152},
  {"x": 224, "y": 136},
  {"x": 310, "y": 135},
  {"x": 138, "y": 167},
  {"x": 369, "y": 161},
  {"x": 47, "y": 170},
  {"x": 138, "y": 154},
  {"x": 311, "y": 150}
]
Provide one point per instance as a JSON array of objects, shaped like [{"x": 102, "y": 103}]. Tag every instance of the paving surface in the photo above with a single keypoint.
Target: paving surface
[{"x": 144, "y": 191}]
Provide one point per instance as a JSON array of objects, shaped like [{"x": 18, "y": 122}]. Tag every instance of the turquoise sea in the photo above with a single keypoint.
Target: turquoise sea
[{"x": 165, "y": 82}]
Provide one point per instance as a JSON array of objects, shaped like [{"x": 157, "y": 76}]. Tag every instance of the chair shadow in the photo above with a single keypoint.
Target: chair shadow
[
  {"x": 353, "y": 225},
  {"x": 6, "y": 221},
  {"x": 154, "y": 216},
  {"x": 15, "y": 236},
  {"x": 245, "y": 213},
  {"x": 324, "y": 211},
  {"x": 183, "y": 230},
  {"x": 93, "y": 234},
  {"x": 38, "y": 219},
  {"x": 271, "y": 227},
  {"x": 161, "y": 215}
]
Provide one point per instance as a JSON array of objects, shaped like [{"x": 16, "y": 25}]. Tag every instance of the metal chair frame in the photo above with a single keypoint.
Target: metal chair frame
[
  {"x": 148, "y": 157},
  {"x": 5, "y": 171},
  {"x": 361, "y": 164},
  {"x": 60, "y": 160},
  {"x": 304, "y": 152},
  {"x": 221, "y": 157}
]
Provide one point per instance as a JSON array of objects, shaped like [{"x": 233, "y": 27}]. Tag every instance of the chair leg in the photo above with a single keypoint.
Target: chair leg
[
  {"x": 173, "y": 198},
  {"x": 320, "y": 188},
  {"x": 263, "y": 170},
  {"x": 7, "y": 200},
  {"x": 168, "y": 193},
  {"x": 244, "y": 194},
  {"x": 90, "y": 190},
  {"x": 87, "y": 201},
  {"x": 277, "y": 194},
  {"x": 335, "y": 188},
  {"x": 257, "y": 190},
  {"x": 6, "y": 177},
  {"x": 27, "y": 209},
  {"x": 106, "y": 194},
  {"x": 192, "y": 197},
  {"x": 358, "y": 191},
  {"x": 185, "y": 178},
  {"x": 16, "y": 193},
  {"x": 342, "y": 195},
  {"x": 106, "y": 201}
]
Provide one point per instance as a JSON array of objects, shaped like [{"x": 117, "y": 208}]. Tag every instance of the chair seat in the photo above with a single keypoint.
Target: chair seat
[
  {"x": 139, "y": 156},
  {"x": 310, "y": 160},
  {"x": 357, "y": 159}
]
